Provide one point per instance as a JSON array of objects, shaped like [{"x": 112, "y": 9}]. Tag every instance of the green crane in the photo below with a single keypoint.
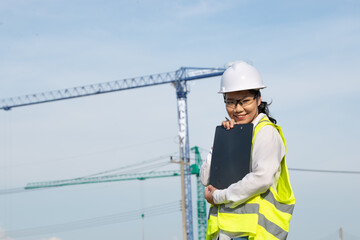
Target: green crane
[
  {"x": 194, "y": 170},
  {"x": 201, "y": 204}
]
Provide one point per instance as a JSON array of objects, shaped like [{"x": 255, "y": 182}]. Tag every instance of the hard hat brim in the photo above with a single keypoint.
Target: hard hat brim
[{"x": 244, "y": 89}]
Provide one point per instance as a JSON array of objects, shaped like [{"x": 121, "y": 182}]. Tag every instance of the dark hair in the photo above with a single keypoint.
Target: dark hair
[{"x": 264, "y": 106}]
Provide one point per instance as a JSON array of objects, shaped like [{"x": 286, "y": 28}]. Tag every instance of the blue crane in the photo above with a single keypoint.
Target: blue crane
[{"x": 179, "y": 80}]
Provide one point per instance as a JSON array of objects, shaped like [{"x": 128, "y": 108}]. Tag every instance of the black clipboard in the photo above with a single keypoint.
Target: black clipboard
[{"x": 231, "y": 154}]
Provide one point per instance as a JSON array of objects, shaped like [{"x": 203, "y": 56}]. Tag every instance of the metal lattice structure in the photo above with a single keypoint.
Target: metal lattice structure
[
  {"x": 182, "y": 75},
  {"x": 200, "y": 202},
  {"x": 103, "y": 179}
]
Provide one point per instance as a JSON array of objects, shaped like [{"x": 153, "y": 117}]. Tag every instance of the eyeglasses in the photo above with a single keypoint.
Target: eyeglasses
[{"x": 244, "y": 102}]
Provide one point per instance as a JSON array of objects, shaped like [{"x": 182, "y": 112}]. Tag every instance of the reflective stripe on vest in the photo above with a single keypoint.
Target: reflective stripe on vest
[{"x": 263, "y": 217}]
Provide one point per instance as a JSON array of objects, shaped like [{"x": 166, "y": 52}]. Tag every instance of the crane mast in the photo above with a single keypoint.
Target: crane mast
[
  {"x": 181, "y": 92},
  {"x": 201, "y": 204}
]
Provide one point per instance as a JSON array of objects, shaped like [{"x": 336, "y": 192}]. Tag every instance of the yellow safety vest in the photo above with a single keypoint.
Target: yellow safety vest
[{"x": 263, "y": 217}]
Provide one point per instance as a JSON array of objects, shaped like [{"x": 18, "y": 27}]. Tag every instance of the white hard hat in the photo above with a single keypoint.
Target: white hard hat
[{"x": 240, "y": 76}]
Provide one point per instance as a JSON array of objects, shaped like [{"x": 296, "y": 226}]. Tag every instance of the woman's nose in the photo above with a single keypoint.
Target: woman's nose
[{"x": 238, "y": 108}]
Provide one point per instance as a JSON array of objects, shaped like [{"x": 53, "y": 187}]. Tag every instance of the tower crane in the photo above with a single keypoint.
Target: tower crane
[{"x": 178, "y": 79}]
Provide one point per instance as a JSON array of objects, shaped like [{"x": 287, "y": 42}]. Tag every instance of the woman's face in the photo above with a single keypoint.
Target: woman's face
[{"x": 242, "y": 106}]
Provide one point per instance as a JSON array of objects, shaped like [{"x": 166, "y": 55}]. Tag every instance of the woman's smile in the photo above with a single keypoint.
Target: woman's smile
[{"x": 239, "y": 117}]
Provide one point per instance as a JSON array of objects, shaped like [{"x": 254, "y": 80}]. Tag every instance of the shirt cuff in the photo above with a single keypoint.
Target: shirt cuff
[{"x": 219, "y": 196}]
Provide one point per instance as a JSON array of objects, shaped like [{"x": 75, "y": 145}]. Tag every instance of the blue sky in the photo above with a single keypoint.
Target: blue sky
[{"x": 307, "y": 52}]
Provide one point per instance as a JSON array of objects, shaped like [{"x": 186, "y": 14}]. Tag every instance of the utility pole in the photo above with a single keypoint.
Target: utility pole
[
  {"x": 182, "y": 163},
  {"x": 341, "y": 233},
  {"x": 142, "y": 224}
]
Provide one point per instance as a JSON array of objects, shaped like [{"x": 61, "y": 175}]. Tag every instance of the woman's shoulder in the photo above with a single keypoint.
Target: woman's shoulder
[
  {"x": 261, "y": 120},
  {"x": 268, "y": 135},
  {"x": 258, "y": 118}
]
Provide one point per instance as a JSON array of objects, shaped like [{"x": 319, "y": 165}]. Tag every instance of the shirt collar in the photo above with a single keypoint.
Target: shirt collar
[{"x": 258, "y": 118}]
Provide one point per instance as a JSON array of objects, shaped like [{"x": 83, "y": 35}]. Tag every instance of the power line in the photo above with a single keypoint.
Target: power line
[
  {"x": 124, "y": 168},
  {"x": 324, "y": 171},
  {"x": 21, "y": 189},
  {"x": 92, "y": 153},
  {"x": 162, "y": 209},
  {"x": 137, "y": 167},
  {"x": 304, "y": 169}
]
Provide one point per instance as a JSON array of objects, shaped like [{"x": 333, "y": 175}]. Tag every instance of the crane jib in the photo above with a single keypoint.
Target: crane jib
[{"x": 181, "y": 75}]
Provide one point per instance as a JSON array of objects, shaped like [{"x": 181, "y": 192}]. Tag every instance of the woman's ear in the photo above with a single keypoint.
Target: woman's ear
[{"x": 259, "y": 100}]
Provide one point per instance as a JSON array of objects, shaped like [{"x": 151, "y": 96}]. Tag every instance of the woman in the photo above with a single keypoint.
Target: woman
[{"x": 259, "y": 206}]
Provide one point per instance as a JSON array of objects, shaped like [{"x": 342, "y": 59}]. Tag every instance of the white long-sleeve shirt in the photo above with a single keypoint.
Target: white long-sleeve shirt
[{"x": 267, "y": 153}]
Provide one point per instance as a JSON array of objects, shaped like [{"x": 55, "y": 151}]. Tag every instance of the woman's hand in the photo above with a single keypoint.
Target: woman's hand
[
  {"x": 209, "y": 190},
  {"x": 228, "y": 124}
]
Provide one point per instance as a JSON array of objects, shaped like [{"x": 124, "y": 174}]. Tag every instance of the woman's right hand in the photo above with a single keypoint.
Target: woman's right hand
[
  {"x": 228, "y": 124},
  {"x": 209, "y": 191}
]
